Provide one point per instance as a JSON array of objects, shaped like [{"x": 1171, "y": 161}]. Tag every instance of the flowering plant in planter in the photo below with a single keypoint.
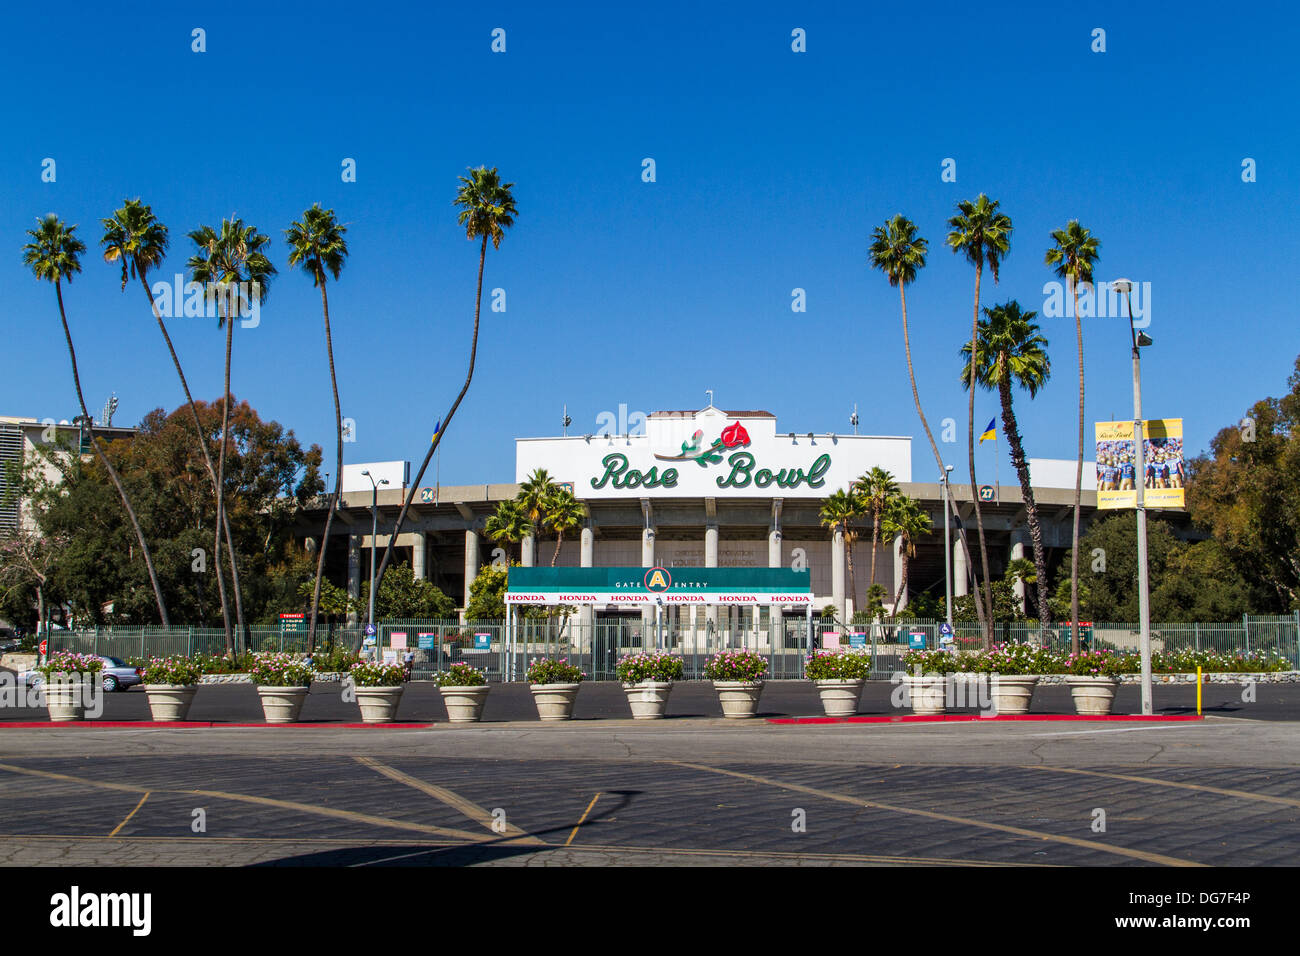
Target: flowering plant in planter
[
  {"x": 375, "y": 674},
  {"x": 736, "y": 666},
  {"x": 270, "y": 669},
  {"x": 1013, "y": 660},
  {"x": 460, "y": 675},
  {"x": 555, "y": 672},
  {"x": 171, "y": 670},
  {"x": 1103, "y": 663},
  {"x": 931, "y": 662},
  {"x": 635, "y": 668},
  {"x": 845, "y": 665},
  {"x": 70, "y": 663}
]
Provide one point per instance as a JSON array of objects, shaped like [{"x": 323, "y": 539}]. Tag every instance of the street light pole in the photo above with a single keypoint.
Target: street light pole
[
  {"x": 1139, "y": 484},
  {"x": 947, "y": 546},
  {"x": 374, "y": 534}
]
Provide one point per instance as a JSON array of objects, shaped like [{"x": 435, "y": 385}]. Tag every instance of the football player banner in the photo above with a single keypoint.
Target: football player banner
[{"x": 1162, "y": 464}]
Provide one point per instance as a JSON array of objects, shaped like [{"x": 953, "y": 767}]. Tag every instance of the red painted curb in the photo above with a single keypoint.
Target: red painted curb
[
  {"x": 28, "y": 724},
  {"x": 915, "y": 719}
]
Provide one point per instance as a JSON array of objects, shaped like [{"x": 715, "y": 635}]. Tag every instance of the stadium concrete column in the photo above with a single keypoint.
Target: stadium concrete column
[
  {"x": 419, "y": 555},
  {"x": 1017, "y": 554},
  {"x": 526, "y": 548},
  {"x": 959, "y": 585},
  {"x": 837, "y": 571},
  {"x": 587, "y": 613},
  {"x": 471, "y": 560},
  {"x": 711, "y": 551},
  {"x": 898, "y": 573},
  {"x": 354, "y": 573},
  {"x": 773, "y": 561},
  {"x": 647, "y": 561}
]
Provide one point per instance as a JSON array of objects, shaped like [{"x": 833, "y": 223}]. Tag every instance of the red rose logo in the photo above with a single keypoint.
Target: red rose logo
[{"x": 734, "y": 435}]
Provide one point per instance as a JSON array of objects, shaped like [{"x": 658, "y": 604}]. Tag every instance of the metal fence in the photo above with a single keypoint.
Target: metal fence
[{"x": 597, "y": 646}]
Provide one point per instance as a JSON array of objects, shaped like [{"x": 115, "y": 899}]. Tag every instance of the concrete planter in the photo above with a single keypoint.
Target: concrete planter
[
  {"x": 379, "y": 704},
  {"x": 282, "y": 705},
  {"x": 739, "y": 698},
  {"x": 927, "y": 694},
  {"x": 66, "y": 700},
  {"x": 840, "y": 697},
  {"x": 465, "y": 704},
  {"x": 1093, "y": 696},
  {"x": 648, "y": 698},
  {"x": 1012, "y": 693},
  {"x": 170, "y": 701},
  {"x": 554, "y": 701}
]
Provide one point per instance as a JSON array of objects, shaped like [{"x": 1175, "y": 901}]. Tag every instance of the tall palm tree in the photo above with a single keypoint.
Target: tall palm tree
[
  {"x": 876, "y": 489},
  {"x": 564, "y": 513},
  {"x": 898, "y": 252},
  {"x": 134, "y": 238},
  {"x": 507, "y": 525},
  {"x": 905, "y": 519},
  {"x": 54, "y": 254},
  {"x": 226, "y": 263},
  {"x": 838, "y": 513},
  {"x": 487, "y": 211},
  {"x": 984, "y": 235},
  {"x": 535, "y": 496},
  {"x": 1010, "y": 351},
  {"x": 317, "y": 245},
  {"x": 1073, "y": 255}
]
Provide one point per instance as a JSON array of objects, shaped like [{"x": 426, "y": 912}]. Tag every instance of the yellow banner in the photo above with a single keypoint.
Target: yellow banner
[{"x": 1163, "y": 468}]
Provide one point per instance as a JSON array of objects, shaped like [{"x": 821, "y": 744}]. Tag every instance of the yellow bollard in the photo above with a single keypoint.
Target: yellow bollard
[{"x": 1198, "y": 691}]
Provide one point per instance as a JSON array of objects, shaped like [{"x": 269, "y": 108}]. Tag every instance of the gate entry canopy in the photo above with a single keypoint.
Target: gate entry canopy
[{"x": 637, "y": 587}]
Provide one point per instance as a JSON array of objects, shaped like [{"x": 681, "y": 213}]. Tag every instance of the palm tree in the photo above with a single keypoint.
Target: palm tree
[
  {"x": 839, "y": 511},
  {"x": 134, "y": 238},
  {"x": 54, "y": 254},
  {"x": 228, "y": 263},
  {"x": 507, "y": 524},
  {"x": 984, "y": 235},
  {"x": 1010, "y": 351},
  {"x": 564, "y": 513},
  {"x": 876, "y": 489},
  {"x": 898, "y": 252},
  {"x": 487, "y": 211},
  {"x": 904, "y": 518},
  {"x": 534, "y": 497},
  {"x": 1073, "y": 255},
  {"x": 317, "y": 245}
]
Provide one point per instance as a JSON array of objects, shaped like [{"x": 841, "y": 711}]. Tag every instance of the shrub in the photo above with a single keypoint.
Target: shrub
[
  {"x": 280, "y": 670},
  {"x": 375, "y": 674},
  {"x": 635, "y": 668},
  {"x": 1102, "y": 663},
  {"x": 554, "y": 672},
  {"x": 69, "y": 662},
  {"x": 336, "y": 660},
  {"x": 931, "y": 662},
  {"x": 461, "y": 675},
  {"x": 846, "y": 665},
  {"x": 736, "y": 665},
  {"x": 171, "y": 670},
  {"x": 1012, "y": 660}
]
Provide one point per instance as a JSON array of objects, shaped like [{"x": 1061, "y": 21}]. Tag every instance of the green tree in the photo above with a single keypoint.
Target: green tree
[
  {"x": 229, "y": 264},
  {"x": 1010, "y": 351},
  {"x": 316, "y": 244},
  {"x": 487, "y": 210},
  {"x": 876, "y": 490},
  {"x": 54, "y": 254},
  {"x": 904, "y": 518},
  {"x": 508, "y": 524},
  {"x": 487, "y": 594},
  {"x": 983, "y": 235},
  {"x": 564, "y": 514},
  {"x": 534, "y": 496},
  {"x": 401, "y": 596},
  {"x": 898, "y": 252},
  {"x": 1073, "y": 254},
  {"x": 1109, "y": 581},
  {"x": 837, "y": 512}
]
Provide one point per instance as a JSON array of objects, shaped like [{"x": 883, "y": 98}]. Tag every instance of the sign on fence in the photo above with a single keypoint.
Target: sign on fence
[
  {"x": 482, "y": 642},
  {"x": 426, "y": 642},
  {"x": 916, "y": 640},
  {"x": 397, "y": 639}
]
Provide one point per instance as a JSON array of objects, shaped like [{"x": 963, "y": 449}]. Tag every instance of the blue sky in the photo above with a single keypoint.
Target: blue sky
[{"x": 772, "y": 169}]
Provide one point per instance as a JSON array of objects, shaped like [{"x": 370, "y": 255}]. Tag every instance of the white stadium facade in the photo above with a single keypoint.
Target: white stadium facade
[{"x": 708, "y": 488}]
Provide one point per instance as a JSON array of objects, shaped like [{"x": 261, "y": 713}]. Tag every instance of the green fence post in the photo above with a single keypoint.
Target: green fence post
[
  {"x": 1245, "y": 626},
  {"x": 96, "y": 640}
]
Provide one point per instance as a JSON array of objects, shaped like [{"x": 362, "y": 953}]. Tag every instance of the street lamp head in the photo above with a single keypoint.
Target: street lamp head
[
  {"x": 366, "y": 473},
  {"x": 1143, "y": 340},
  {"x": 1121, "y": 285},
  {"x": 383, "y": 481}
]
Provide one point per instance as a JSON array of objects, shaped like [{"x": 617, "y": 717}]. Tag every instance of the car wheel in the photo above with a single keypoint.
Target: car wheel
[{"x": 110, "y": 683}]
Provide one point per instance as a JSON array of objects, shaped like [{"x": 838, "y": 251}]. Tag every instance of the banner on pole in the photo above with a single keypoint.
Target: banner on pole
[{"x": 1162, "y": 458}]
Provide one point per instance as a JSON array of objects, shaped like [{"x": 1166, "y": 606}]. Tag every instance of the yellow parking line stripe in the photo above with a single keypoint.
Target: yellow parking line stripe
[
  {"x": 130, "y": 815},
  {"x": 1240, "y": 794},
  {"x": 582, "y": 818}
]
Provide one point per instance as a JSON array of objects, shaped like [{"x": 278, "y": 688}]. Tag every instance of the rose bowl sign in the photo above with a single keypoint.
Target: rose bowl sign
[{"x": 708, "y": 454}]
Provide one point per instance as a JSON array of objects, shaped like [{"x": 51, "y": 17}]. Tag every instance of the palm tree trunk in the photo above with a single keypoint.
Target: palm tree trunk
[
  {"x": 952, "y": 504},
  {"x": 108, "y": 466},
  {"x": 853, "y": 582},
  {"x": 1027, "y": 493},
  {"x": 559, "y": 538},
  {"x": 1078, "y": 487},
  {"x": 970, "y": 451},
  {"x": 338, "y": 471},
  {"x": 875, "y": 531},
  {"x": 198, "y": 430},
  {"x": 221, "y": 478},
  {"x": 410, "y": 495}
]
